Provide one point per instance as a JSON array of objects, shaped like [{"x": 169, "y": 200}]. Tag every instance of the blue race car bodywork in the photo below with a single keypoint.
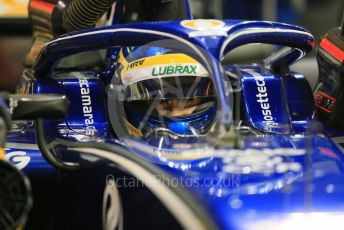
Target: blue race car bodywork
[{"x": 284, "y": 171}]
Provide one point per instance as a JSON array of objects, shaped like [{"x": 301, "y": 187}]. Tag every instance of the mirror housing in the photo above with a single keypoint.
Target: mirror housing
[{"x": 33, "y": 106}]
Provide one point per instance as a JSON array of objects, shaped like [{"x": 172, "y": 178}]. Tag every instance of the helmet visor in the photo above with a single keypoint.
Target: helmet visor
[{"x": 171, "y": 96}]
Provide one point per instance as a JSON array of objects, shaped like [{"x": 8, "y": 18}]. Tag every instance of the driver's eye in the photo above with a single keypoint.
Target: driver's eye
[{"x": 179, "y": 103}]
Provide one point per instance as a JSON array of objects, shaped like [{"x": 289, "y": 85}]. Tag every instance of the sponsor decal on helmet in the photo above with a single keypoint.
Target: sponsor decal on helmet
[
  {"x": 178, "y": 69},
  {"x": 128, "y": 77},
  {"x": 165, "y": 59},
  {"x": 161, "y": 66},
  {"x": 135, "y": 64}
]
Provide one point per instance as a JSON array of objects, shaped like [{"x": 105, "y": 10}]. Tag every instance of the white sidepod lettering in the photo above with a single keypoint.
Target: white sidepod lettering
[
  {"x": 263, "y": 99},
  {"x": 87, "y": 106}
]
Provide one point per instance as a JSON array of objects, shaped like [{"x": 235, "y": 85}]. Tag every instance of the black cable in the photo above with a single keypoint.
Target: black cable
[{"x": 47, "y": 154}]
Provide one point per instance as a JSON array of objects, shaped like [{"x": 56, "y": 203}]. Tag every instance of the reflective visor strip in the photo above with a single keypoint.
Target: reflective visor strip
[
  {"x": 332, "y": 49},
  {"x": 256, "y": 31},
  {"x": 178, "y": 208},
  {"x": 165, "y": 65},
  {"x": 162, "y": 59}
]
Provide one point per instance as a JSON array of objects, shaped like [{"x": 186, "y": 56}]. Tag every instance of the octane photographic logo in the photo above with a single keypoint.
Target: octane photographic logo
[
  {"x": 112, "y": 207},
  {"x": 167, "y": 95},
  {"x": 229, "y": 182}
]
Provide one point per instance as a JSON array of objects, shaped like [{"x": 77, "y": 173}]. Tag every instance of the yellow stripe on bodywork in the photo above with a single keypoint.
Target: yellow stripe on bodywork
[{"x": 166, "y": 59}]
